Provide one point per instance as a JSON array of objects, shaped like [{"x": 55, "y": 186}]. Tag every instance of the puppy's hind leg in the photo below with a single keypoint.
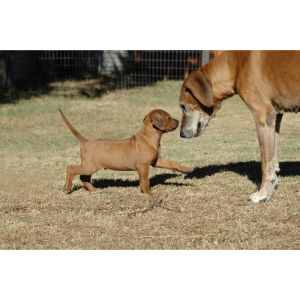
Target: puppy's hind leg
[
  {"x": 86, "y": 180},
  {"x": 72, "y": 171},
  {"x": 69, "y": 180}
]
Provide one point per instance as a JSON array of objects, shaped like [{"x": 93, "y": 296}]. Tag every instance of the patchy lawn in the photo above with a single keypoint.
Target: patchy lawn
[{"x": 207, "y": 209}]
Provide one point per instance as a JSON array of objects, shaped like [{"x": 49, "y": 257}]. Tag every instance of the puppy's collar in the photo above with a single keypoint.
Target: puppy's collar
[{"x": 164, "y": 131}]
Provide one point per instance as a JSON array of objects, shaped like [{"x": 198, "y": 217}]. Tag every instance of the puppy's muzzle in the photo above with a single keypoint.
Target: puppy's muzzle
[
  {"x": 173, "y": 125},
  {"x": 176, "y": 123}
]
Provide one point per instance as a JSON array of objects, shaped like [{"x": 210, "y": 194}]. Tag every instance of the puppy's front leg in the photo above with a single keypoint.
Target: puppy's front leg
[
  {"x": 172, "y": 165},
  {"x": 143, "y": 171}
]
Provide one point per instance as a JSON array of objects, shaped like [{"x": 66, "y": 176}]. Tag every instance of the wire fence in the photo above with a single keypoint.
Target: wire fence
[{"x": 116, "y": 69}]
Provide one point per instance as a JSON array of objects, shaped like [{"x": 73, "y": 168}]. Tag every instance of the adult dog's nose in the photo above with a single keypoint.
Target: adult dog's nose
[
  {"x": 182, "y": 134},
  {"x": 186, "y": 134}
]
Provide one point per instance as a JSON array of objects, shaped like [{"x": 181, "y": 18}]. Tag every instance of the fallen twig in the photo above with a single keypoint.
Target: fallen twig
[{"x": 155, "y": 203}]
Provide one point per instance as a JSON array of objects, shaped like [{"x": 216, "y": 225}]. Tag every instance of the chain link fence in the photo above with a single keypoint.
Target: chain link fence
[{"x": 25, "y": 70}]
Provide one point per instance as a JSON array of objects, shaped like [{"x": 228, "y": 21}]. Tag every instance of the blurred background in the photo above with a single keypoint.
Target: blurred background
[{"x": 95, "y": 71}]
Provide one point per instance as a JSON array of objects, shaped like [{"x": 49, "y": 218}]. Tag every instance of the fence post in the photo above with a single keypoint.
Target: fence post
[{"x": 205, "y": 57}]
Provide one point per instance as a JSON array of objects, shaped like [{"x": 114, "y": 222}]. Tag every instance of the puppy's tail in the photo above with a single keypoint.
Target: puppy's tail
[{"x": 74, "y": 131}]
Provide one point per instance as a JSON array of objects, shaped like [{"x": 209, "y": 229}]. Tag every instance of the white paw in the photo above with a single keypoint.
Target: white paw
[
  {"x": 277, "y": 168},
  {"x": 258, "y": 198},
  {"x": 273, "y": 185}
]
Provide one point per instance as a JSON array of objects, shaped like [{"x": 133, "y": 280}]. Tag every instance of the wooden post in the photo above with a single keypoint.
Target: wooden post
[{"x": 205, "y": 57}]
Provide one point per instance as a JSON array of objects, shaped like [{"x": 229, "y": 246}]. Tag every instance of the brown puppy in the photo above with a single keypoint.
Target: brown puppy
[
  {"x": 267, "y": 81},
  {"x": 138, "y": 152}
]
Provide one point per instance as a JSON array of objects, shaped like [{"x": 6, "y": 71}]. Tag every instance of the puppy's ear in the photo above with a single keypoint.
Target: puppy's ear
[
  {"x": 157, "y": 121},
  {"x": 200, "y": 88}
]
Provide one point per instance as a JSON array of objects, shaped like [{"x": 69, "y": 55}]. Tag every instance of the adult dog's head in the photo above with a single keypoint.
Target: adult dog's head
[{"x": 197, "y": 104}]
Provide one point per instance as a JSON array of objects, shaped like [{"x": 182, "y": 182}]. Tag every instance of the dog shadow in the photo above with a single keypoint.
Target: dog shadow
[
  {"x": 159, "y": 179},
  {"x": 251, "y": 169}
]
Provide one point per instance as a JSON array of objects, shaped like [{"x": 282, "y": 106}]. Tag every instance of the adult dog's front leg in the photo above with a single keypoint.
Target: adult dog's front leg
[
  {"x": 265, "y": 126},
  {"x": 277, "y": 139},
  {"x": 172, "y": 165}
]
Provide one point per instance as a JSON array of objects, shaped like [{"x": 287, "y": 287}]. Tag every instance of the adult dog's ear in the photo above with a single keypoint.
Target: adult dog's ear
[
  {"x": 200, "y": 88},
  {"x": 157, "y": 121}
]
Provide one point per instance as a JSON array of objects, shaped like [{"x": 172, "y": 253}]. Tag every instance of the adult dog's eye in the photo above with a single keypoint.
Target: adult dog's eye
[
  {"x": 187, "y": 90},
  {"x": 182, "y": 107}
]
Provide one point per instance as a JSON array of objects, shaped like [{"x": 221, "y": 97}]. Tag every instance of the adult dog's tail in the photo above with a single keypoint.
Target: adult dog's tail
[{"x": 74, "y": 131}]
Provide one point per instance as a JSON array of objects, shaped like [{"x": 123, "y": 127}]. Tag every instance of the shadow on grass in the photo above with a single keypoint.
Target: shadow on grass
[
  {"x": 14, "y": 96},
  {"x": 251, "y": 169},
  {"x": 155, "y": 180}
]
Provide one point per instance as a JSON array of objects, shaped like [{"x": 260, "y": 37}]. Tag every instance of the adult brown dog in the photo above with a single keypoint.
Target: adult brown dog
[
  {"x": 267, "y": 81},
  {"x": 135, "y": 153}
]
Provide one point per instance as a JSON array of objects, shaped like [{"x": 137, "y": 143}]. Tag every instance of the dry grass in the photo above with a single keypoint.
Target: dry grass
[{"x": 206, "y": 210}]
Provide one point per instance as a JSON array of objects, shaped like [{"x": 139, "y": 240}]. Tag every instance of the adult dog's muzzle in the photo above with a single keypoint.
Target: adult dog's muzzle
[{"x": 194, "y": 126}]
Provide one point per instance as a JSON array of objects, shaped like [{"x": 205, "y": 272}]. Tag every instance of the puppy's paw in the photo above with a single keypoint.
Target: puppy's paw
[
  {"x": 186, "y": 170},
  {"x": 67, "y": 190},
  {"x": 90, "y": 188},
  {"x": 148, "y": 193}
]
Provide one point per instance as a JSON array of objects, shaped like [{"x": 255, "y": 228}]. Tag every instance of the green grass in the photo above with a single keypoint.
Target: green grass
[{"x": 206, "y": 210}]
